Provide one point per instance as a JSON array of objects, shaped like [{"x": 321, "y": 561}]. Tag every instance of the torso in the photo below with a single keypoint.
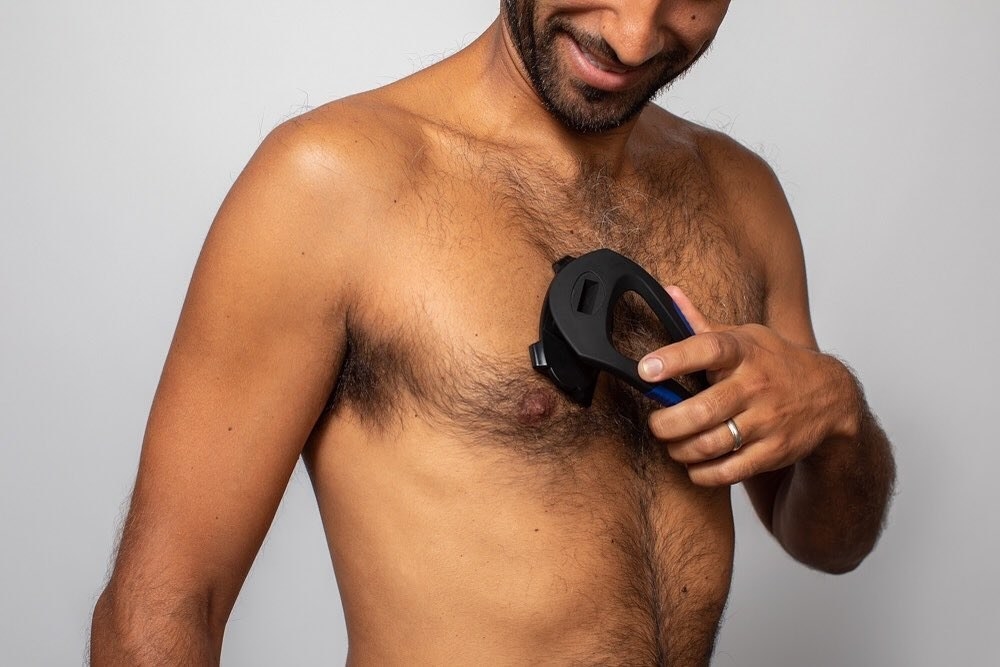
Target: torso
[{"x": 473, "y": 512}]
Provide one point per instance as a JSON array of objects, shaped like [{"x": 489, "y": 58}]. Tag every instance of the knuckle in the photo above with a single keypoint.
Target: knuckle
[
  {"x": 762, "y": 332},
  {"x": 717, "y": 344},
  {"x": 662, "y": 424},
  {"x": 655, "y": 422},
  {"x": 754, "y": 330},
  {"x": 759, "y": 383},
  {"x": 702, "y": 412},
  {"x": 784, "y": 447},
  {"x": 736, "y": 470},
  {"x": 728, "y": 472},
  {"x": 684, "y": 454},
  {"x": 734, "y": 342},
  {"x": 729, "y": 396},
  {"x": 711, "y": 476},
  {"x": 707, "y": 447}
]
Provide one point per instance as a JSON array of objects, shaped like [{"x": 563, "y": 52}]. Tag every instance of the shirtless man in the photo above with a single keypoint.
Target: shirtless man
[{"x": 366, "y": 298}]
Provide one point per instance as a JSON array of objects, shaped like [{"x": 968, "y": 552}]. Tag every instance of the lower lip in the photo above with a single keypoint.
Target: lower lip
[{"x": 596, "y": 77}]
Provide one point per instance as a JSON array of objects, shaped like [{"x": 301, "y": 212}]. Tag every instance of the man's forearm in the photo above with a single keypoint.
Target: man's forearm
[
  {"x": 830, "y": 507},
  {"x": 124, "y": 633}
]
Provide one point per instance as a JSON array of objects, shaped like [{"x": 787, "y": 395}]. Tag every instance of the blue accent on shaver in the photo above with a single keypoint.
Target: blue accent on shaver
[
  {"x": 685, "y": 321},
  {"x": 664, "y": 396}
]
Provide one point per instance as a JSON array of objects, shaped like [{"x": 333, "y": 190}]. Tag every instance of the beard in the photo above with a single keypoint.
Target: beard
[{"x": 579, "y": 106}]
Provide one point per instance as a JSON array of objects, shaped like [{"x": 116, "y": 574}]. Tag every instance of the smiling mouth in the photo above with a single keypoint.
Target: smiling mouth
[
  {"x": 601, "y": 62},
  {"x": 597, "y": 69}
]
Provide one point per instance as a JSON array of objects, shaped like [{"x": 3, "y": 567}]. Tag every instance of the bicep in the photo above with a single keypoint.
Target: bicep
[{"x": 247, "y": 375}]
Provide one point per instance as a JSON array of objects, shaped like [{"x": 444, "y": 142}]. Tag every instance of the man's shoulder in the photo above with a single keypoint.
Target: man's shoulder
[
  {"x": 320, "y": 180},
  {"x": 746, "y": 187},
  {"x": 729, "y": 162},
  {"x": 348, "y": 140},
  {"x": 337, "y": 169}
]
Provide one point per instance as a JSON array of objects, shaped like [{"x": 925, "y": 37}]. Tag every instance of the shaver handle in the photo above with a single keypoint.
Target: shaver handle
[{"x": 668, "y": 393}]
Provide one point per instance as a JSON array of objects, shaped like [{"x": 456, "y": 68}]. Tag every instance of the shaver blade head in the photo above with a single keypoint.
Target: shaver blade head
[
  {"x": 553, "y": 357},
  {"x": 576, "y": 326}
]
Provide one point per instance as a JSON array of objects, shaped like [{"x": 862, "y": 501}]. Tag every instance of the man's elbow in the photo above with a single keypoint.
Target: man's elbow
[
  {"x": 831, "y": 556},
  {"x": 138, "y": 630},
  {"x": 840, "y": 566}
]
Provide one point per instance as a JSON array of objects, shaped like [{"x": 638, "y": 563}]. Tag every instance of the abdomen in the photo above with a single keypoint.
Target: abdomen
[{"x": 447, "y": 553}]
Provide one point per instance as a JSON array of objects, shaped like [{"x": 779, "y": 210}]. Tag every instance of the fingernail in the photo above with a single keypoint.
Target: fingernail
[{"x": 651, "y": 366}]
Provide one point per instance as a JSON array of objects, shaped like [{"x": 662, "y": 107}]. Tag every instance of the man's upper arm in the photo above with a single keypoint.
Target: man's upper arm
[
  {"x": 757, "y": 200},
  {"x": 251, "y": 365}
]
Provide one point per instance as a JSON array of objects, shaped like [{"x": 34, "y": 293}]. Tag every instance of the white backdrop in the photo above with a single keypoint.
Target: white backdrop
[{"x": 123, "y": 124}]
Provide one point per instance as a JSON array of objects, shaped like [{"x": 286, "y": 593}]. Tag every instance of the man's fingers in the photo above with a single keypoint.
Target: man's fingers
[
  {"x": 700, "y": 413},
  {"x": 725, "y": 471},
  {"x": 709, "y": 351},
  {"x": 752, "y": 459},
  {"x": 712, "y": 444},
  {"x": 697, "y": 353},
  {"x": 699, "y": 323}
]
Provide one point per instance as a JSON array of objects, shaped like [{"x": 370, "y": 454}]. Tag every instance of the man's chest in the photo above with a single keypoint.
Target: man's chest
[
  {"x": 437, "y": 374},
  {"x": 455, "y": 290},
  {"x": 477, "y": 247}
]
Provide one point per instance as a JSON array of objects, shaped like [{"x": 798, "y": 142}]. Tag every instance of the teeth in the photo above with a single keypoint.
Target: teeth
[
  {"x": 598, "y": 64},
  {"x": 593, "y": 61}
]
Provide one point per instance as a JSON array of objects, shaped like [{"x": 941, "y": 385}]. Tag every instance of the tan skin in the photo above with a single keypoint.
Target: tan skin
[{"x": 392, "y": 250}]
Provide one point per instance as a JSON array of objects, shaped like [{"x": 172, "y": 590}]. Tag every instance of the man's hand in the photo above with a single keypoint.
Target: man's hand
[
  {"x": 817, "y": 467},
  {"x": 785, "y": 400}
]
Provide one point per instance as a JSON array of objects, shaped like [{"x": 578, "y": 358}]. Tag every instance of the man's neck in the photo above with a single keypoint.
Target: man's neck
[{"x": 503, "y": 103}]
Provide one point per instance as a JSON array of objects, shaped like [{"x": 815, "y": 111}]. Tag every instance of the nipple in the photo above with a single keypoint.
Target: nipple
[{"x": 537, "y": 405}]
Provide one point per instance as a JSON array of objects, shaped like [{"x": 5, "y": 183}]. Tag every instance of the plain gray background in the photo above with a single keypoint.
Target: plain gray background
[{"x": 123, "y": 124}]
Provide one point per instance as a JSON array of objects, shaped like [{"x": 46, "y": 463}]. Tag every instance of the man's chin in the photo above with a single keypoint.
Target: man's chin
[{"x": 593, "y": 116}]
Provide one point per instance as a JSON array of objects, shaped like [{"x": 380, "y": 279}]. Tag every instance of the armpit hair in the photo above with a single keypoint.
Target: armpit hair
[{"x": 389, "y": 375}]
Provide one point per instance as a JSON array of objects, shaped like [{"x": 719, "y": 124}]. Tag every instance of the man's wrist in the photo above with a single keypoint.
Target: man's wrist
[
  {"x": 843, "y": 432},
  {"x": 853, "y": 401}
]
